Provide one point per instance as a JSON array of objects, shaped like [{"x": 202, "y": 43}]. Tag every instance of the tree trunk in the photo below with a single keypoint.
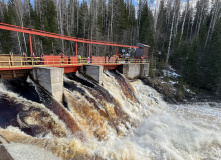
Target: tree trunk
[
  {"x": 171, "y": 33},
  {"x": 184, "y": 20}
]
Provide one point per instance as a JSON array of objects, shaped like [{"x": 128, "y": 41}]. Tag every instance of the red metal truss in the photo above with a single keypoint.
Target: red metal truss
[{"x": 59, "y": 36}]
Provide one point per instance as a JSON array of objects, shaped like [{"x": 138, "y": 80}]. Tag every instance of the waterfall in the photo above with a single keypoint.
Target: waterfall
[{"x": 118, "y": 119}]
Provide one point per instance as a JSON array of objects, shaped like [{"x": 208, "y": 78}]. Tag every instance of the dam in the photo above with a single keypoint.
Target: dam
[
  {"x": 117, "y": 119},
  {"x": 70, "y": 109},
  {"x": 50, "y": 73}
]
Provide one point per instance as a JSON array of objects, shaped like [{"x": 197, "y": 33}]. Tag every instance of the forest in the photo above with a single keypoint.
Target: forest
[{"x": 183, "y": 34}]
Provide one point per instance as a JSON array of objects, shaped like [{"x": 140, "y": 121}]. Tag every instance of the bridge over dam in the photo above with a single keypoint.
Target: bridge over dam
[{"x": 48, "y": 70}]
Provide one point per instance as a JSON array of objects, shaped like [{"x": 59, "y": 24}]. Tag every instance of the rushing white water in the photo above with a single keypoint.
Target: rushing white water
[
  {"x": 162, "y": 131},
  {"x": 167, "y": 131},
  {"x": 35, "y": 118}
]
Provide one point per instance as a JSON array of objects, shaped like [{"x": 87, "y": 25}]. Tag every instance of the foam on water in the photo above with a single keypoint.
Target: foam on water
[
  {"x": 35, "y": 114},
  {"x": 178, "y": 132},
  {"x": 166, "y": 132},
  {"x": 155, "y": 130}
]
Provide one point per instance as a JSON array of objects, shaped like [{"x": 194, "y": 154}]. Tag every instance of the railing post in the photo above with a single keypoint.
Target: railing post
[
  {"x": 30, "y": 43},
  {"x": 9, "y": 63},
  {"x": 21, "y": 61}
]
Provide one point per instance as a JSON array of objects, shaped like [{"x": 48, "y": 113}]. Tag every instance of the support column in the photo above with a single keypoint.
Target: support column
[
  {"x": 134, "y": 71},
  {"x": 116, "y": 50},
  {"x": 51, "y": 78},
  {"x": 30, "y": 43},
  {"x": 89, "y": 49},
  {"x": 130, "y": 71},
  {"x": 76, "y": 49},
  {"x": 93, "y": 72}
]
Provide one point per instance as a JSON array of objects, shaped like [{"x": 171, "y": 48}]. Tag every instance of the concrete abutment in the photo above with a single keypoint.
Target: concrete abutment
[
  {"x": 51, "y": 79},
  {"x": 134, "y": 71},
  {"x": 130, "y": 71},
  {"x": 93, "y": 72}
]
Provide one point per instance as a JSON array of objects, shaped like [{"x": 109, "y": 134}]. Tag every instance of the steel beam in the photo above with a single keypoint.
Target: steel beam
[
  {"x": 30, "y": 43},
  {"x": 58, "y": 36}
]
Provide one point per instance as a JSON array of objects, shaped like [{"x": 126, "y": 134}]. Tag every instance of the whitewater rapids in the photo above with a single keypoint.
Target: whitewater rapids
[{"x": 155, "y": 130}]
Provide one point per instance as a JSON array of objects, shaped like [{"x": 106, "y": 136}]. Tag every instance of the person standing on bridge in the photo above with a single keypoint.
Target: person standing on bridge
[
  {"x": 33, "y": 59},
  {"x": 69, "y": 59},
  {"x": 117, "y": 59},
  {"x": 42, "y": 59},
  {"x": 62, "y": 58},
  {"x": 126, "y": 60},
  {"x": 109, "y": 57},
  {"x": 79, "y": 58},
  {"x": 88, "y": 60}
]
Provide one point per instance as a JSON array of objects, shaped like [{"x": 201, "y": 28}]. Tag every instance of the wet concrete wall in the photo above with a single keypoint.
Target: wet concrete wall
[
  {"x": 134, "y": 71},
  {"x": 94, "y": 72},
  {"x": 51, "y": 78}
]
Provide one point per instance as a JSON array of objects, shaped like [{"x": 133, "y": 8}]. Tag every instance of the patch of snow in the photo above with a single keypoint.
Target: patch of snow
[
  {"x": 171, "y": 69},
  {"x": 170, "y": 74},
  {"x": 172, "y": 82},
  {"x": 175, "y": 74},
  {"x": 188, "y": 90}
]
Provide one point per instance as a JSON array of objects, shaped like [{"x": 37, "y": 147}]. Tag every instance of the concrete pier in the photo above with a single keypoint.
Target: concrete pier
[
  {"x": 51, "y": 78},
  {"x": 134, "y": 71},
  {"x": 93, "y": 72},
  {"x": 144, "y": 72}
]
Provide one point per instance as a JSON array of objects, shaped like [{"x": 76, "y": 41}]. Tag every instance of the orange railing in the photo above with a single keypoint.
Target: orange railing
[{"x": 57, "y": 61}]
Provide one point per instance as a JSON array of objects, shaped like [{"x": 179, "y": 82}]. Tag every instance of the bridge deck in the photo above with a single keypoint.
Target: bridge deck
[
  {"x": 17, "y": 62},
  {"x": 12, "y": 66}
]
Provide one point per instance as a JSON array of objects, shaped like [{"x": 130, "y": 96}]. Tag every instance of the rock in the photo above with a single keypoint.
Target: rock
[{"x": 166, "y": 89}]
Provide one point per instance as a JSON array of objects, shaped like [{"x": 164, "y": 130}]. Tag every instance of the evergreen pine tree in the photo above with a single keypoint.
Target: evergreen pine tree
[
  {"x": 190, "y": 69},
  {"x": 146, "y": 30},
  {"x": 6, "y": 40},
  {"x": 49, "y": 19},
  {"x": 212, "y": 59}
]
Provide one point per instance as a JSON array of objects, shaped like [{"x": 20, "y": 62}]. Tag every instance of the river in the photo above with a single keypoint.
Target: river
[{"x": 116, "y": 120}]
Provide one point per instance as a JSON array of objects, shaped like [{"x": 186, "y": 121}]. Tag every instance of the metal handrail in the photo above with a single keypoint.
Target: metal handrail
[{"x": 38, "y": 61}]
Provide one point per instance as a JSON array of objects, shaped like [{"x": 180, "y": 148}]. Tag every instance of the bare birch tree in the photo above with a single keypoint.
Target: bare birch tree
[
  {"x": 184, "y": 20},
  {"x": 171, "y": 34},
  {"x": 20, "y": 14},
  {"x": 215, "y": 15}
]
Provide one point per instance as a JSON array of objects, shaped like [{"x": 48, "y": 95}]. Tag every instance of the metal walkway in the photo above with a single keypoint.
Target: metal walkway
[{"x": 19, "y": 62}]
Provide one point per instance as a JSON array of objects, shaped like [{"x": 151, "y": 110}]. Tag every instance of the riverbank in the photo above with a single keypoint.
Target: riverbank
[{"x": 177, "y": 93}]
